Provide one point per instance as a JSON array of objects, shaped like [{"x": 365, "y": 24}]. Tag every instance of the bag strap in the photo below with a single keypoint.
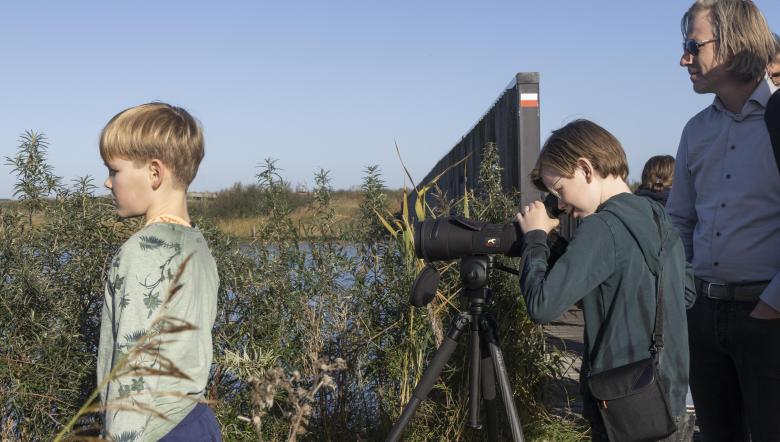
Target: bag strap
[
  {"x": 657, "y": 335},
  {"x": 658, "y": 331}
]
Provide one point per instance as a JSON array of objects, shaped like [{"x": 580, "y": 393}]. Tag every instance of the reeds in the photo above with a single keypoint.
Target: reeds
[
  {"x": 300, "y": 393},
  {"x": 288, "y": 302}
]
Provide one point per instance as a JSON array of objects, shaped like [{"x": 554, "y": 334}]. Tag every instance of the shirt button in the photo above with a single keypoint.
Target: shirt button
[
  {"x": 717, "y": 233},
  {"x": 715, "y": 263},
  {"x": 723, "y": 205},
  {"x": 733, "y": 147},
  {"x": 728, "y": 176}
]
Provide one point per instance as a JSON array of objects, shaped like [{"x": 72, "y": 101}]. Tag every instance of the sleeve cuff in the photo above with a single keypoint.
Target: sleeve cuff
[
  {"x": 535, "y": 237},
  {"x": 771, "y": 295}
]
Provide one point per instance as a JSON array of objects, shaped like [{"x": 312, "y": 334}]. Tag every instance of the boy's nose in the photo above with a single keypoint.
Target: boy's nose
[{"x": 107, "y": 183}]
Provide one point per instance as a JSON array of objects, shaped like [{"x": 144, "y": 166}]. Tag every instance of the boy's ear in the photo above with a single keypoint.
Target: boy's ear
[
  {"x": 587, "y": 168},
  {"x": 156, "y": 172}
]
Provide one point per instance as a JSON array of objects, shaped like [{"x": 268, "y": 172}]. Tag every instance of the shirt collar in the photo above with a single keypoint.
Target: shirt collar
[{"x": 757, "y": 101}]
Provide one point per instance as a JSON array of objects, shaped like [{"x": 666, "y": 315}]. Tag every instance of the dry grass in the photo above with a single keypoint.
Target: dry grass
[
  {"x": 345, "y": 204},
  {"x": 37, "y": 217},
  {"x": 239, "y": 227}
]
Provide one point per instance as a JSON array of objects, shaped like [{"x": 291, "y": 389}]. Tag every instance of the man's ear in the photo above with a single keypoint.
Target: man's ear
[
  {"x": 156, "y": 173},
  {"x": 587, "y": 168}
]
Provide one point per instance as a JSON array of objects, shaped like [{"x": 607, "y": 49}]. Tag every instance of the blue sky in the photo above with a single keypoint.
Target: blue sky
[{"x": 333, "y": 84}]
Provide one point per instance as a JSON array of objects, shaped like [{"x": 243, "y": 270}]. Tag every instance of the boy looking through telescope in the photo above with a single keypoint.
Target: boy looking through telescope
[{"x": 605, "y": 266}]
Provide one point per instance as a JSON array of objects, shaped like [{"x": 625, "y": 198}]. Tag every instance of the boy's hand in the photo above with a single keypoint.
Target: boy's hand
[{"x": 534, "y": 217}]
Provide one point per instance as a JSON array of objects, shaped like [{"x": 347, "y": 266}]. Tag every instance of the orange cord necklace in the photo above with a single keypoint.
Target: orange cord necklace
[{"x": 171, "y": 219}]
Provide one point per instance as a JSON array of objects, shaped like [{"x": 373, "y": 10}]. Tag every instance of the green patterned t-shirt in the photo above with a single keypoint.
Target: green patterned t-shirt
[{"x": 140, "y": 279}]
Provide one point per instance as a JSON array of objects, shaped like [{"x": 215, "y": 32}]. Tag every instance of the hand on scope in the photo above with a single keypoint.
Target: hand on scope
[{"x": 534, "y": 217}]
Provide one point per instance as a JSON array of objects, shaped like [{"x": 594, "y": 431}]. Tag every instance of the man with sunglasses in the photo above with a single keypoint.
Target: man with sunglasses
[{"x": 726, "y": 204}]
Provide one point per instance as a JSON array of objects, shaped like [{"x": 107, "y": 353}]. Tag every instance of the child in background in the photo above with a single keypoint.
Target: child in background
[
  {"x": 657, "y": 178},
  {"x": 152, "y": 153}
]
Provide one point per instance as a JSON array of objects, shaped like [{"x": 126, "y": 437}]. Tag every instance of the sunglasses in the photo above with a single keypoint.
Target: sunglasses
[{"x": 692, "y": 46}]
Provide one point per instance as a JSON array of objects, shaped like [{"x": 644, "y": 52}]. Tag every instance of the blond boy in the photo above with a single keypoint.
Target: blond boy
[{"x": 152, "y": 153}]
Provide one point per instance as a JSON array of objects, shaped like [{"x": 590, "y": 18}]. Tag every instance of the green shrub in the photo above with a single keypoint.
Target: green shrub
[{"x": 314, "y": 339}]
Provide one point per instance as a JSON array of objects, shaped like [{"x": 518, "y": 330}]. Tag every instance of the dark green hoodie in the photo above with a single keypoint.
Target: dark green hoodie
[{"x": 606, "y": 267}]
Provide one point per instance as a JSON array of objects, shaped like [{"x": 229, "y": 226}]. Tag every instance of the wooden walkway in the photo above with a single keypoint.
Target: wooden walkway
[{"x": 564, "y": 337}]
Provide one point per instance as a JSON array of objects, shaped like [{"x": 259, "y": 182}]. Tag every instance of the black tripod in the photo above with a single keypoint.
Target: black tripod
[{"x": 486, "y": 359}]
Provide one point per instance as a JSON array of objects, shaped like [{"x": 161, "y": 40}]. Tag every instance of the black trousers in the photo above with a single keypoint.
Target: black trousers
[{"x": 735, "y": 371}]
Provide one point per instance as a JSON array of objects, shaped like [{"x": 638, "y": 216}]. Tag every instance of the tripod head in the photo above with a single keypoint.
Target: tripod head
[{"x": 474, "y": 271}]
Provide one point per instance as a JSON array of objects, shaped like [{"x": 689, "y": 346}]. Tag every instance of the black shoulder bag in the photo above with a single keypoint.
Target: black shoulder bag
[{"x": 631, "y": 398}]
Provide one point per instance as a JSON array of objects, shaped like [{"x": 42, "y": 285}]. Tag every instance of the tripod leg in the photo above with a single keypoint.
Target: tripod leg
[
  {"x": 489, "y": 327},
  {"x": 474, "y": 377},
  {"x": 489, "y": 393},
  {"x": 431, "y": 374}
]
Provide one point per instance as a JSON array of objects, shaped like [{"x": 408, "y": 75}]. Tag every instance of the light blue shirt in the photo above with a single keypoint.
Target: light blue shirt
[{"x": 725, "y": 200}]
